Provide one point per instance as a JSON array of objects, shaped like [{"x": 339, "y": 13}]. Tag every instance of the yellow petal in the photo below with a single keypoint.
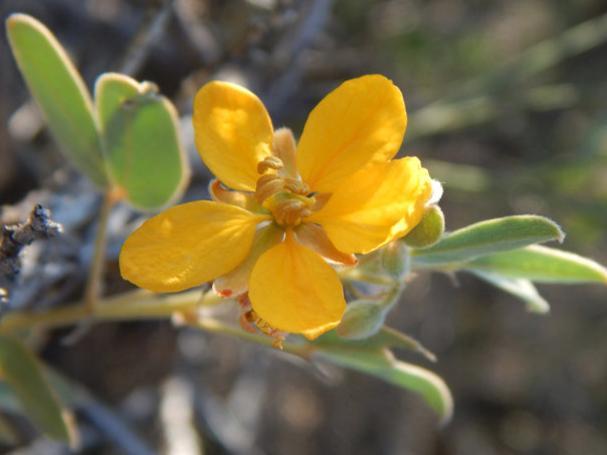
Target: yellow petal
[
  {"x": 314, "y": 237},
  {"x": 379, "y": 203},
  {"x": 187, "y": 245},
  {"x": 233, "y": 133},
  {"x": 363, "y": 120},
  {"x": 236, "y": 282},
  {"x": 294, "y": 290}
]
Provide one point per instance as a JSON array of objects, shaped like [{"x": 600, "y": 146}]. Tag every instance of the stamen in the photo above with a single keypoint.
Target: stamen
[
  {"x": 288, "y": 209},
  {"x": 251, "y": 322},
  {"x": 267, "y": 186},
  {"x": 297, "y": 186},
  {"x": 271, "y": 162},
  {"x": 279, "y": 187},
  {"x": 289, "y": 213},
  {"x": 221, "y": 194},
  {"x": 283, "y": 146}
]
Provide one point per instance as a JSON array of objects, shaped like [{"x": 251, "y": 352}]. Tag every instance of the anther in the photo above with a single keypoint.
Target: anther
[
  {"x": 271, "y": 162},
  {"x": 305, "y": 212},
  {"x": 297, "y": 186}
]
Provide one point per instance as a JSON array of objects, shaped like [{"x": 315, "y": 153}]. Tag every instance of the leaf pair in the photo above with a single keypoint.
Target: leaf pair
[
  {"x": 127, "y": 142},
  {"x": 504, "y": 253}
]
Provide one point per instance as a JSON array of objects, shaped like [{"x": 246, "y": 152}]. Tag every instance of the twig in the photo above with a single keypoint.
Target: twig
[
  {"x": 288, "y": 55},
  {"x": 99, "y": 414},
  {"x": 149, "y": 33},
  {"x": 14, "y": 238},
  {"x": 128, "y": 306},
  {"x": 114, "y": 428}
]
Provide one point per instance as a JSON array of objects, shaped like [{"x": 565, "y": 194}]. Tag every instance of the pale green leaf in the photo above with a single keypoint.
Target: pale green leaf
[
  {"x": 60, "y": 92},
  {"x": 384, "y": 339},
  {"x": 144, "y": 154},
  {"x": 392, "y": 338},
  {"x": 23, "y": 374},
  {"x": 487, "y": 237},
  {"x": 518, "y": 287},
  {"x": 541, "y": 264},
  {"x": 411, "y": 377}
]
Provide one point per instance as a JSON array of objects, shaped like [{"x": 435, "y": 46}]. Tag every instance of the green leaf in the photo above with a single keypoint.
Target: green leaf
[
  {"x": 430, "y": 386},
  {"x": 60, "y": 92},
  {"x": 541, "y": 264},
  {"x": 385, "y": 338},
  {"x": 145, "y": 158},
  {"x": 392, "y": 338},
  {"x": 22, "y": 372},
  {"x": 518, "y": 287},
  {"x": 487, "y": 237}
]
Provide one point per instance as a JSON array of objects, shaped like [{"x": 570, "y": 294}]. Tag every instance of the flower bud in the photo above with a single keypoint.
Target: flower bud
[
  {"x": 395, "y": 260},
  {"x": 429, "y": 230},
  {"x": 363, "y": 318}
]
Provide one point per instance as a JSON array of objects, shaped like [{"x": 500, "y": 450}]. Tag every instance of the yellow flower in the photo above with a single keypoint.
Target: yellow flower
[{"x": 280, "y": 209}]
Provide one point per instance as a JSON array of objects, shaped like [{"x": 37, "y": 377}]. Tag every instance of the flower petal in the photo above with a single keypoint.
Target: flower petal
[
  {"x": 236, "y": 282},
  {"x": 294, "y": 290},
  {"x": 187, "y": 245},
  {"x": 314, "y": 237},
  {"x": 363, "y": 120},
  {"x": 233, "y": 133},
  {"x": 379, "y": 203}
]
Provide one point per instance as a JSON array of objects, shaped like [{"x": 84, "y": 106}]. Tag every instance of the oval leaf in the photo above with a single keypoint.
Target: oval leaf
[
  {"x": 487, "y": 237},
  {"x": 60, "y": 92},
  {"x": 541, "y": 264},
  {"x": 411, "y": 377},
  {"x": 144, "y": 154},
  {"x": 21, "y": 371}
]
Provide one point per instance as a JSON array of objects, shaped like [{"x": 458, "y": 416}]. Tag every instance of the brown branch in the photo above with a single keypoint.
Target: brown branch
[{"x": 13, "y": 238}]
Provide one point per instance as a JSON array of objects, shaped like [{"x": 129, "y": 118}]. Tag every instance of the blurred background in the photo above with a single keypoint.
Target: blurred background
[{"x": 507, "y": 104}]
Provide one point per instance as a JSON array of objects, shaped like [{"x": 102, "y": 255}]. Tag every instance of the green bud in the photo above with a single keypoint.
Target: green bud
[
  {"x": 363, "y": 318},
  {"x": 395, "y": 260},
  {"x": 429, "y": 230}
]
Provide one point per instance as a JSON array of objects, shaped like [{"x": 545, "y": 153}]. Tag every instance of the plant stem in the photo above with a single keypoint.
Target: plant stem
[
  {"x": 138, "y": 305},
  {"x": 141, "y": 305},
  {"x": 95, "y": 278},
  {"x": 128, "y": 306}
]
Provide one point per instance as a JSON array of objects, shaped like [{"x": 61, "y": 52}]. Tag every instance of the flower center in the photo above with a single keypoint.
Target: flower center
[
  {"x": 288, "y": 209},
  {"x": 279, "y": 188}
]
